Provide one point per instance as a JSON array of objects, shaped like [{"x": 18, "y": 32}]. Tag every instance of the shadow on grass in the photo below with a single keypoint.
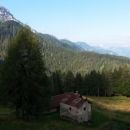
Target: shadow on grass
[{"x": 102, "y": 119}]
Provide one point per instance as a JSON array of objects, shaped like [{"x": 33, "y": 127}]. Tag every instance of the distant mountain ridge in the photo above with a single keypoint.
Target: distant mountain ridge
[
  {"x": 121, "y": 51},
  {"x": 71, "y": 44},
  {"x": 82, "y": 46},
  {"x": 76, "y": 46}
]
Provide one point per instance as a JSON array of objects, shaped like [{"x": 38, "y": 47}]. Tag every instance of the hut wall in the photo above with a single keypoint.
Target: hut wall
[
  {"x": 70, "y": 112},
  {"x": 83, "y": 114},
  {"x": 86, "y": 111}
]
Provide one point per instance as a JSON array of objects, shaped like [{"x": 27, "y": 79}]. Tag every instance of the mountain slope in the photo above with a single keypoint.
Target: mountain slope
[
  {"x": 8, "y": 30},
  {"x": 99, "y": 50},
  {"x": 60, "y": 58},
  {"x": 71, "y": 45},
  {"x": 76, "y": 46},
  {"x": 62, "y": 54}
]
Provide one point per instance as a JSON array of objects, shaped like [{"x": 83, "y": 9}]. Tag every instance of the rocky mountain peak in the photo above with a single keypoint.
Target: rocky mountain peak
[{"x": 5, "y": 15}]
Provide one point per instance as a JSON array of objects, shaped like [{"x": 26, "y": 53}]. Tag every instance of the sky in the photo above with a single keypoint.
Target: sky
[{"x": 102, "y": 23}]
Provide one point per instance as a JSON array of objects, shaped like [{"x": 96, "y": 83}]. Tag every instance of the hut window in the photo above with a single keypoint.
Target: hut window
[
  {"x": 70, "y": 108},
  {"x": 84, "y": 108}
]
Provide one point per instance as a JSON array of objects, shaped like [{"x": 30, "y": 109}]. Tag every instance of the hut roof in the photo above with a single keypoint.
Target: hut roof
[{"x": 72, "y": 99}]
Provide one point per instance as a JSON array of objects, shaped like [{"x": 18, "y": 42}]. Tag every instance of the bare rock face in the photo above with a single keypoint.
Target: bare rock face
[{"x": 5, "y": 15}]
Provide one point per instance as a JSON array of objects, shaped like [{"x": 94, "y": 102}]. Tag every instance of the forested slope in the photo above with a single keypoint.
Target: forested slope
[
  {"x": 62, "y": 56},
  {"x": 58, "y": 57}
]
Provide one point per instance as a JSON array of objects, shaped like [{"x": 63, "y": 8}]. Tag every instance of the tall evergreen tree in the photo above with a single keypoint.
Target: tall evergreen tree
[
  {"x": 96, "y": 84},
  {"x": 57, "y": 83},
  {"x": 24, "y": 76},
  {"x": 69, "y": 85},
  {"x": 79, "y": 82}
]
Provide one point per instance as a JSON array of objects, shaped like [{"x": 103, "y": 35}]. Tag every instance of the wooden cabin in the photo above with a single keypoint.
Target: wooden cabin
[{"x": 72, "y": 106}]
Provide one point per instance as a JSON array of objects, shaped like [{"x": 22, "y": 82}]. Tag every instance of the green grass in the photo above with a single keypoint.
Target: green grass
[
  {"x": 117, "y": 108},
  {"x": 102, "y": 119}
]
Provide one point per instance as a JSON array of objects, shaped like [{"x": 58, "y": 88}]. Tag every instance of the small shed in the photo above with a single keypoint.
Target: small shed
[
  {"x": 62, "y": 98},
  {"x": 72, "y": 106}
]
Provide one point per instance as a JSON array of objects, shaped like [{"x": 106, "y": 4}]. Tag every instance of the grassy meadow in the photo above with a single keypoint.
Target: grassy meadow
[{"x": 108, "y": 113}]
